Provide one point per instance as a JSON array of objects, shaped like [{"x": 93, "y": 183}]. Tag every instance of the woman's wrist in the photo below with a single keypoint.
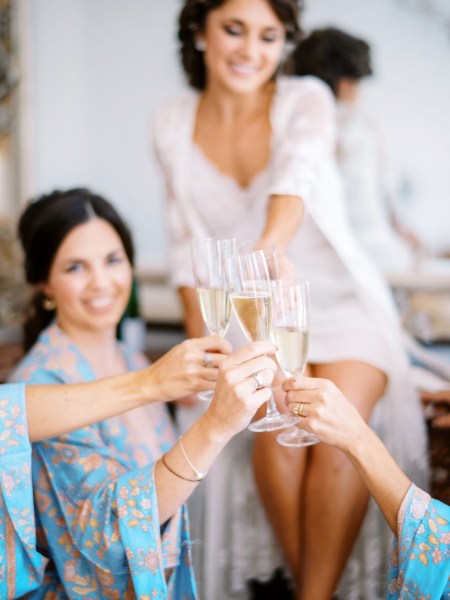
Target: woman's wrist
[
  {"x": 365, "y": 448},
  {"x": 217, "y": 432},
  {"x": 137, "y": 388},
  {"x": 356, "y": 443},
  {"x": 200, "y": 446}
]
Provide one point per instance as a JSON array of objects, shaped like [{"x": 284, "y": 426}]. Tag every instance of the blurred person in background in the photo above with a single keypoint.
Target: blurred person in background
[{"x": 343, "y": 61}]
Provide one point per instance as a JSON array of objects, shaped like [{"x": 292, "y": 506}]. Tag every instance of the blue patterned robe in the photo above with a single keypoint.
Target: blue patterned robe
[
  {"x": 21, "y": 566},
  {"x": 95, "y": 498},
  {"x": 420, "y": 562}
]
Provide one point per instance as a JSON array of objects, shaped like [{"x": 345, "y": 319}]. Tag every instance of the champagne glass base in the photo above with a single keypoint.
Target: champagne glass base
[
  {"x": 297, "y": 438},
  {"x": 273, "y": 423},
  {"x": 205, "y": 396}
]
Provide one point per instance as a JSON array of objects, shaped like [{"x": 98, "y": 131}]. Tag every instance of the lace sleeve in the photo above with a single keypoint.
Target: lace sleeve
[
  {"x": 179, "y": 248},
  {"x": 305, "y": 138}
]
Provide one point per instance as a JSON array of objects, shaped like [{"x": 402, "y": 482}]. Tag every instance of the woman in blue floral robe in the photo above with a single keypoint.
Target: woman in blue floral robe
[
  {"x": 97, "y": 510},
  {"x": 23, "y": 559},
  {"x": 38, "y": 413},
  {"x": 94, "y": 491}
]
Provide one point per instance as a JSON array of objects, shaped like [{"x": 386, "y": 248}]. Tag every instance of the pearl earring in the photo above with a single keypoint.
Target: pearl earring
[
  {"x": 200, "y": 45},
  {"x": 48, "y": 304}
]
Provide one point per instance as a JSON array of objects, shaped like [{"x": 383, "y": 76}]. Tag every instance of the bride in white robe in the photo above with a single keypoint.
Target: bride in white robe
[{"x": 353, "y": 318}]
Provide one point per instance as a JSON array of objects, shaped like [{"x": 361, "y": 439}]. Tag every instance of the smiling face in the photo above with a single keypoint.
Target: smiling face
[
  {"x": 90, "y": 279},
  {"x": 244, "y": 41}
]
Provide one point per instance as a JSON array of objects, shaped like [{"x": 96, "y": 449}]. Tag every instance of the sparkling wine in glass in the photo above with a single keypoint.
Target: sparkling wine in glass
[
  {"x": 208, "y": 264},
  {"x": 290, "y": 332},
  {"x": 251, "y": 298}
]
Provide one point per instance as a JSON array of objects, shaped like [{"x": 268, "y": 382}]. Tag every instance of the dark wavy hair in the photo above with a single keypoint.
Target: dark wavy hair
[
  {"x": 192, "y": 19},
  {"x": 331, "y": 55},
  {"x": 43, "y": 226}
]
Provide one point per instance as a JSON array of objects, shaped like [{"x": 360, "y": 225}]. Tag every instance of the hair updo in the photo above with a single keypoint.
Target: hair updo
[{"x": 43, "y": 226}]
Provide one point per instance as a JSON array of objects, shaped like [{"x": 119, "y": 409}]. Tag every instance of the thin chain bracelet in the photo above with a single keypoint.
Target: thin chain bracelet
[{"x": 198, "y": 473}]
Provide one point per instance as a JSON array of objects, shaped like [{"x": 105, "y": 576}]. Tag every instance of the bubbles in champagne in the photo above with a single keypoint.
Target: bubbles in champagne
[
  {"x": 216, "y": 309},
  {"x": 292, "y": 348},
  {"x": 254, "y": 313}
]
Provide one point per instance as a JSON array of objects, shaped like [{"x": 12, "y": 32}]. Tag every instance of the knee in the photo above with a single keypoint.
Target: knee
[
  {"x": 271, "y": 459},
  {"x": 327, "y": 461}
]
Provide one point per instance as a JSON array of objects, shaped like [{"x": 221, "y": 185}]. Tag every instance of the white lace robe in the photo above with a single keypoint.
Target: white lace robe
[{"x": 352, "y": 318}]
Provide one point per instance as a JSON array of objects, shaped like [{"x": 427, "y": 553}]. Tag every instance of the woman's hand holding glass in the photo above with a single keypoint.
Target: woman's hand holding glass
[
  {"x": 208, "y": 265},
  {"x": 326, "y": 412},
  {"x": 238, "y": 395},
  {"x": 182, "y": 372},
  {"x": 290, "y": 332},
  {"x": 251, "y": 297}
]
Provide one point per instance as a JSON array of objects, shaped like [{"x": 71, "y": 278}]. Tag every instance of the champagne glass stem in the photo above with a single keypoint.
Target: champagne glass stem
[{"x": 272, "y": 409}]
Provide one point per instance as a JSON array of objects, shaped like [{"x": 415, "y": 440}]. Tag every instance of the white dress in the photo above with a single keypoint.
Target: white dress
[{"x": 352, "y": 314}]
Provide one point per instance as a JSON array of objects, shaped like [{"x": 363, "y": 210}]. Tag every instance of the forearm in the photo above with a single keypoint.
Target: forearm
[
  {"x": 234, "y": 404},
  {"x": 202, "y": 447},
  {"x": 57, "y": 409},
  {"x": 193, "y": 322},
  {"x": 385, "y": 480},
  {"x": 284, "y": 216}
]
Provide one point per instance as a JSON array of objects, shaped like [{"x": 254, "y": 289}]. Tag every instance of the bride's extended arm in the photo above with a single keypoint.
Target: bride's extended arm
[
  {"x": 299, "y": 151},
  {"x": 284, "y": 216}
]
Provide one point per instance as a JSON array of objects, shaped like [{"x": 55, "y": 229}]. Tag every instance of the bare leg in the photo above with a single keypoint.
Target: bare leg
[
  {"x": 335, "y": 498},
  {"x": 278, "y": 474}
]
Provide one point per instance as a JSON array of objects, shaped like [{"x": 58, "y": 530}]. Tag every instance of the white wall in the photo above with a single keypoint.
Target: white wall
[{"x": 101, "y": 66}]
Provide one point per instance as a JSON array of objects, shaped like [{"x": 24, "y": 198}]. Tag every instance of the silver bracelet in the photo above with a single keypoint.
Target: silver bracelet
[{"x": 198, "y": 473}]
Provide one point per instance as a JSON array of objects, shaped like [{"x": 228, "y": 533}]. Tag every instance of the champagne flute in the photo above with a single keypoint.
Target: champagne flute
[
  {"x": 251, "y": 298},
  {"x": 290, "y": 332},
  {"x": 270, "y": 254},
  {"x": 208, "y": 264}
]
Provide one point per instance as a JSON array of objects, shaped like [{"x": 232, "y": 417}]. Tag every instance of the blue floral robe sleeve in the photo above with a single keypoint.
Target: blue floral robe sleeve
[
  {"x": 96, "y": 502},
  {"x": 420, "y": 562},
  {"x": 21, "y": 566}
]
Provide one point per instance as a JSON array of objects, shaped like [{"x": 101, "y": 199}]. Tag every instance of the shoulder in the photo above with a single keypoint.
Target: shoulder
[
  {"x": 303, "y": 102},
  {"x": 47, "y": 360},
  {"x": 296, "y": 87},
  {"x": 304, "y": 93},
  {"x": 172, "y": 114},
  {"x": 177, "y": 104}
]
